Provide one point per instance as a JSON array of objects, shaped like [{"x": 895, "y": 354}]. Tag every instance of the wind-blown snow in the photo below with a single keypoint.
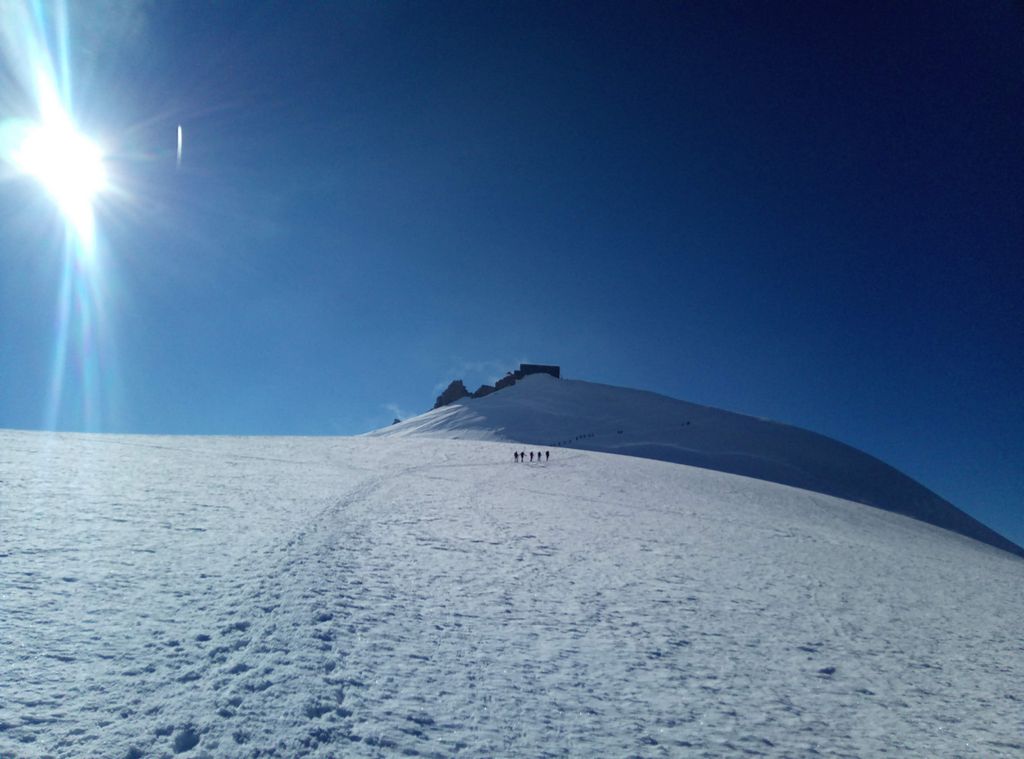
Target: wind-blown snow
[
  {"x": 541, "y": 410},
  {"x": 231, "y": 597}
]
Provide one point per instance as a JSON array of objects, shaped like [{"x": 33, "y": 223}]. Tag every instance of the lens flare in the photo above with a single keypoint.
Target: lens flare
[
  {"x": 39, "y": 139},
  {"x": 71, "y": 169}
]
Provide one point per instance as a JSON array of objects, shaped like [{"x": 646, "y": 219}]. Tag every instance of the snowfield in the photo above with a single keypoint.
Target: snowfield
[
  {"x": 541, "y": 410},
  {"x": 388, "y": 596}
]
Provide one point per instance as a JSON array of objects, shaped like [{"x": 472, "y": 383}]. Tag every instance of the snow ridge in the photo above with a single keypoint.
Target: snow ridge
[{"x": 541, "y": 410}]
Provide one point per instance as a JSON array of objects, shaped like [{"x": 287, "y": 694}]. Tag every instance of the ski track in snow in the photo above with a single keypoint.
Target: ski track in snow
[{"x": 231, "y": 597}]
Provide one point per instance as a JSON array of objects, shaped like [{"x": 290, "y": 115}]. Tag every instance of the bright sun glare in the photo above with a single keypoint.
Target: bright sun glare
[
  {"x": 69, "y": 166},
  {"x": 40, "y": 140}
]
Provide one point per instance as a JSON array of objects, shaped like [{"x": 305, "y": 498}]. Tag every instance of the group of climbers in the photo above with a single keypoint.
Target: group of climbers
[{"x": 520, "y": 456}]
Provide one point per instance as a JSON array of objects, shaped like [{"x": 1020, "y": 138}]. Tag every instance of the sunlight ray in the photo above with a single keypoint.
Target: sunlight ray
[{"x": 44, "y": 143}]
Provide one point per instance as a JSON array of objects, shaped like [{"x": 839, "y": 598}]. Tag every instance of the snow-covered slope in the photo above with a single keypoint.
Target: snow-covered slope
[
  {"x": 541, "y": 410},
  {"x": 276, "y": 597}
]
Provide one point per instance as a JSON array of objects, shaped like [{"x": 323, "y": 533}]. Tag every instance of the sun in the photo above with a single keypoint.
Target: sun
[{"x": 69, "y": 166}]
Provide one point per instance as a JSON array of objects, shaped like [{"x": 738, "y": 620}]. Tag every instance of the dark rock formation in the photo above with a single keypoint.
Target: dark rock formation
[
  {"x": 483, "y": 390},
  {"x": 452, "y": 393},
  {"x": 458, "y": 390},
  {"x": 507, "y": 381}
]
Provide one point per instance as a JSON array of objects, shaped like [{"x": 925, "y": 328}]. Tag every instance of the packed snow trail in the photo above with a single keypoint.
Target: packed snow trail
[{"x": 244, "y": 597}]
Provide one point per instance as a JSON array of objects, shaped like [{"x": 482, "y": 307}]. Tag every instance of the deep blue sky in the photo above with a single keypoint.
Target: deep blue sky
[{"x": 812, "y": 212}]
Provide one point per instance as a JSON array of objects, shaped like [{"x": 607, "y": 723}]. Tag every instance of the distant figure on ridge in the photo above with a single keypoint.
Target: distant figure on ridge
[
  {"x": 515, "y": 455},
  {"x": 547, "y": 456},
  {"x": 531, "y": 457}
]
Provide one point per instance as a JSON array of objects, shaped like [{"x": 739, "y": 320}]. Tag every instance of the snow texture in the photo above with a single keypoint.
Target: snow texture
[
  {"x": 283, "y": 597},
  {"x": 541, "y": 410}
]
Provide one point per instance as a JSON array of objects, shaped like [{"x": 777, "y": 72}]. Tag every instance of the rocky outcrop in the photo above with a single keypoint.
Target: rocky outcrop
[
  {"x": 452, "y": 393},
  {"x": 457, "y": 390},
  {"x": 507, "y": 381},
  {"x": 483, "y": 390}
]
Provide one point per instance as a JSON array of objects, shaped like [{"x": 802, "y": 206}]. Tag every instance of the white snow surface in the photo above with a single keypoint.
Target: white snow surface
[
  {"x": 373, "y": 596},
  {"x": 541, "y": 410}
]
